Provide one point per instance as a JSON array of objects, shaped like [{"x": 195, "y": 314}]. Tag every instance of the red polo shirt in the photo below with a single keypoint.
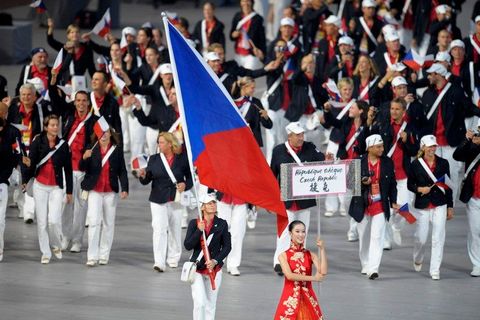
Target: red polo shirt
[
  {"x": 456, "y": 68},
  {"x": 374, "y": 208},
  {"x": 77, "y": 145},
  {"x": 397, "y": 156},
  {"x": 46, "y": 174},
  {"x": 103, "y": 182},
  {"x": 439, "y": 131}
]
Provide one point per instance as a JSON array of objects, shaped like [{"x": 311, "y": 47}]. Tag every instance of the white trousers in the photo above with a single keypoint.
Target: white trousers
[
  {"x": 279, "y": 124},
  {"x": 204, "y": 298},
  {"x": 335, "y": 203},
  {"x": 236, "y": 217},
  {"x": 151, "y": 136},
  {"x": 3, "y": 210},
  {"x": 102, "y": 207},
  {"x": 167, "y": 232},
  {"x": 249, "y": 62},
  {"x": 397, "y": 222},
  {"x": 74, "y": 214},
  {"x": 438, "y": 217},
  {"x": 456, "y": 168},
  {"x": 48, "y": 205},
  {"x": 124, "y": 118},
  {"x": 137, "y": 136},
  {"x": 370, "y": 240},
  {"x": 473, "y": 240},
  {"x": 26, "y": 204},
  {"x": 283, "y": 243},
  {"x": 269, "y": 137}
]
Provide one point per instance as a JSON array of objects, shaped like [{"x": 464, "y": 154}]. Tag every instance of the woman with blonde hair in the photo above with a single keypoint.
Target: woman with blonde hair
[
  {"x": 104, "y": 166},
  {"x": 82, "y": 54},
  {"x": 365, "y": 79},
  {"x": 169, "y": 173}
]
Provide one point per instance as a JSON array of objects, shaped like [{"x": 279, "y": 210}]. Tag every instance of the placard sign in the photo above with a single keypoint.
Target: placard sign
[{"x": 320, "y": 179}]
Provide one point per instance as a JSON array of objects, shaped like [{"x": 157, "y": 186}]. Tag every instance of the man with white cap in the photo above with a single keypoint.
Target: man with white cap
[
  {"x": 372, "y": 209},
  {"x": 292, "y": 49},
  {"x": 400, "y": 144},
  {"x": 343, "y": 63},
  {"x": 294, "y": 150},
  {"x": 472, "y": 43},
  {"x": 366, "y": 29},
  {"x": 444, "y": 58},
  {"x": 327, "y": 46},
  {"x": 213, "y": 60},
  {"x": 386, "y": 56},
  {"x": 433, "y": 203},
  {"x": 446, "y": 107},
  {"x": 469, "y": 152},
  {"x": 415, "y": 110},
  {"x": 313, "y": 16},
  {"x": 464, "y": 71},
  {"x": 37, "y": 68}
]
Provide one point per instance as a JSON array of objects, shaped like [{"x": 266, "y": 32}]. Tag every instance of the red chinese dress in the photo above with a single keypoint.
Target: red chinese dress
[{"x": 298, "y": 300}]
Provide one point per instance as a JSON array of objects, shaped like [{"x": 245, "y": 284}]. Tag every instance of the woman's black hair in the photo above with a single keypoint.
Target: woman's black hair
[
  {"x": 294, "y": 223},
  {"x": 363, "y": 105}
]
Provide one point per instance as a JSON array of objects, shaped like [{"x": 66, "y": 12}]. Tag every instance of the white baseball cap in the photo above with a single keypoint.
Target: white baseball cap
[
  {"x": 345, "y": 40},
  {"x": 211, "y": 56},
  {"x": 207, "y": 197},
  {"x": 294, "y": 127},
  {"x": 373, "y": 140},
  {"x": 443, "y": 56},
  {"x": 477, "y": 18},
  {"x": 129, "y": 30},
  {"x": 398, "y": 67},
  {"x": 438, "y": 68},
  {"x": 392, "y": 36},
  {"x": 165, "y": 68},
  {"x": 457, "y": 43},
  {"x": 398, "y": 81},
  {"x": 287, "y": 22},
  {"x": 368, "y": 3},
  {"x": 333, "y": 19},
  {"x": 37, "y": 83},
  {"x": 388, "y": 28},
  {"x": 428, "y": 141},
  {"x": 441, "y": 9}
]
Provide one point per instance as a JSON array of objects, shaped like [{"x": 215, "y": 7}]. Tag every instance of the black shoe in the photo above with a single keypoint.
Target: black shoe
[
  {"x": 29, "y": 221},
  {"x": 278, "y": 269},
  {"x": 373, "y": 276}
]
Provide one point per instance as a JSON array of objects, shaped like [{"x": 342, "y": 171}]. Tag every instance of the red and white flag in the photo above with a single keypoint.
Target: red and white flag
[
  {"x": 117, "y": 81},
  {"x": 100, "y": 127},
  {"x": 57, "y": 65},
  {"x": 139, "y": 162},
  {"x": 16, "y": 146},
  {"x": 104, "y": 25}
]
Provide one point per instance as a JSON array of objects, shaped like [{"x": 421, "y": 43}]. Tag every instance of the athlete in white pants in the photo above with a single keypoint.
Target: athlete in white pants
[
  {"x": 473, "y": 240},
  {"x": 236, "y": 217},
  {"x": 74, "y": 215},
  {"x": 370, "y": 236},
  {"x": 167, "y": 232},
  {"x": 204, "y": 298}
]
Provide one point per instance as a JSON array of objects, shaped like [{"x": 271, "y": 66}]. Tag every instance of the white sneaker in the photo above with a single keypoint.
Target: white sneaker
[
  {"x": 91, "y": 263},
  {"x": 57, "y": 252},
  {"x": 103, "y": 262},
  {"x": 45, "y": 260},
  {"x": 397, "y": 236},
  {"x": 184, "y": 223},
  {"x": 475, "y": 272},
  {"x": 173, "y": 264},
  {"x": 328, "y": 214},
  {"x": 76, "y": 247},
  {"x": 65, "y": 243},
  {"x": 351, "y": 237},
  {"x": 234, "y": 271},
  {"x": 417, "y": 266},
  {"x": 387, "y": 245},
  {"x": 343, "y": 213},
  {"x": 364, "y": 271},
  {"x": 251, "y": 219},
  {"x": 1, "y": 257},
  {"x": 436, "y": 276}
]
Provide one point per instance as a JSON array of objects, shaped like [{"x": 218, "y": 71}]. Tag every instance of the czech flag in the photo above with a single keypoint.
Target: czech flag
[
  {"x": 16, "y": 146},
  {"x": 117, "y": 81},
  {"x": 139, "y": 162},
  {"x": 104, "y": 25},
  {"x": 39, "y": 6},
  {"x": 218, "y": 140},
  {"x": 57, "y": 65},
  {"x": 405, "y": 212},
  {"x": 332, "y": 89},
  {"x": 100, "y": 127},
  {"x": 444, "y": 182},
  {"x": 416, "y": 62}
]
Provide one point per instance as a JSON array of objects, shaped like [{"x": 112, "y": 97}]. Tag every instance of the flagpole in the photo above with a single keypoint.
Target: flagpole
[{"x": 187, "y": 143}]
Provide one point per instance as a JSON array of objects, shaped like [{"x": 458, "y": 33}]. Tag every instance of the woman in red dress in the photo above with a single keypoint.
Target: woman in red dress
[{"x": 298, "y": 300}]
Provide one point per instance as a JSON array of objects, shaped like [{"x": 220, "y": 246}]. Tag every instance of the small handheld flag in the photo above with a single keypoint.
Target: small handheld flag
[
  {"x": 415, "y": 61},
  {"x": 404, "y": 212},
  {"x": 39, "y": 6},
  {"x": 100, "y": 127},
  {"x": 102, "y": 28},
  {"x": 57, "y": 65},
  {"x": 444, "y": 182},
  {"x": 139, "y": 162},
  {"x": 16, "y": 146},
  {"x": 332, "y": 89}
]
